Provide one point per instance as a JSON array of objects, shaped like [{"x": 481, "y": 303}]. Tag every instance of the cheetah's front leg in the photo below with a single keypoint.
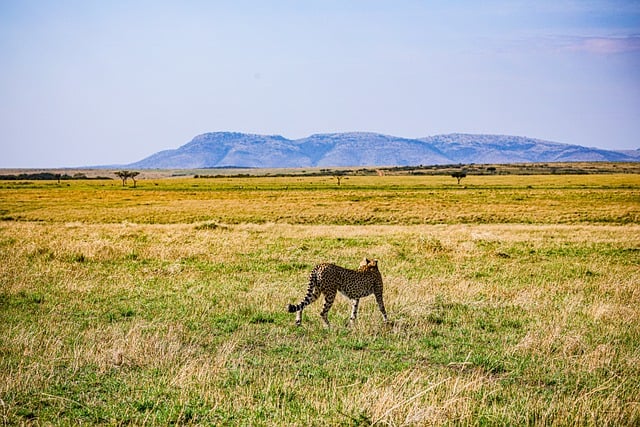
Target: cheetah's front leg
[{"x": 380, "y": 302}]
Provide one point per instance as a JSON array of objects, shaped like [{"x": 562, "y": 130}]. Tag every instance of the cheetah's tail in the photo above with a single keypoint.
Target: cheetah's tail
[{"x": 308, "y": 299}]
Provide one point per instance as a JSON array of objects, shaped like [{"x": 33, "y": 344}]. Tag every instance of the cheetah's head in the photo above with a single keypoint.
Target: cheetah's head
[{"x": 367, "y": 264}]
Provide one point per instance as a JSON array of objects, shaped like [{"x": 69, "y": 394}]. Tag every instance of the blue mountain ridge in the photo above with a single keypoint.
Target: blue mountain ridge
[{"x": 233, "y": 149}]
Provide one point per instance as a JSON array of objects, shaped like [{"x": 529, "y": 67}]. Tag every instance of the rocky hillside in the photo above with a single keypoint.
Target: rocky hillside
[{"x": 231, "y": 149}]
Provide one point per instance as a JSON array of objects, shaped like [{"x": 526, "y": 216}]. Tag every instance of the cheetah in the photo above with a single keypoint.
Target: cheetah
[{"x": 328, "y": 278}]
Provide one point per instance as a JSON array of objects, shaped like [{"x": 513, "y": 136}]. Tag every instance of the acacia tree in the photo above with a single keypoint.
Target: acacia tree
[
  {"x": 133, "y": 175},
  {"x": 339, "y": 176},
  {"x": 459, "y": 175},
  {"x": 124, "y": 175}
]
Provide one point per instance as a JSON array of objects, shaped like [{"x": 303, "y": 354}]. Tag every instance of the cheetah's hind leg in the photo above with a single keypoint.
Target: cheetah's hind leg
[
  {"x": 311, "y": 296},
  {"x": 354, "y": 311}
]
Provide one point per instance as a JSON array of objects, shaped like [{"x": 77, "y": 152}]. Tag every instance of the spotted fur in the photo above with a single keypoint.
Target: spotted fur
[{"x": 328, "y": 279}]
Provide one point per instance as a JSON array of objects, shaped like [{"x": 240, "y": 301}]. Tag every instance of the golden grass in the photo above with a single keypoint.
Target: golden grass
[
  {"x": 111, "y": 321},
  {"x": 318, "y": 200}
]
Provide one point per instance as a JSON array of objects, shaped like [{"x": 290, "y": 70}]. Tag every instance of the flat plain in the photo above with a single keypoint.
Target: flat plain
[{"x": 512, "y": 300}]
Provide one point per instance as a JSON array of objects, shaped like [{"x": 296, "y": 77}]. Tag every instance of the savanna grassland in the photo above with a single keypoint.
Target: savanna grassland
[{"x": 512, "y": 300}]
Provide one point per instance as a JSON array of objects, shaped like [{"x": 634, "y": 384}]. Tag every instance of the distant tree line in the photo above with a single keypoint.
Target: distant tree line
[
  {"x": 124, "y": 175},
  {"x": 47, "y": 176}
]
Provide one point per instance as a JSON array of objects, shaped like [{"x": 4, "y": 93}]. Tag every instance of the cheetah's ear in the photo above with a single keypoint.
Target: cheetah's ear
[{"x": 374, "y": 262}]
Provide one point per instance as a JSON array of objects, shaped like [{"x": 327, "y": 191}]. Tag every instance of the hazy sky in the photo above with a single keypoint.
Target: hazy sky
[{"x": 101, "y": 82}]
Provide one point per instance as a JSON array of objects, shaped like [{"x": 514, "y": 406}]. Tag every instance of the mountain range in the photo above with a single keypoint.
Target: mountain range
[{"x": 233, "y": 149}]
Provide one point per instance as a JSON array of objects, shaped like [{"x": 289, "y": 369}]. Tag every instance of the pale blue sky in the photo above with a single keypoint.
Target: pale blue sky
[{"x": 101, "y": 82}]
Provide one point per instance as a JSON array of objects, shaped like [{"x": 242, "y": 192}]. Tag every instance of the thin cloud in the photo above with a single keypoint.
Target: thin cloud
[
  {"x": 604, "y": 45},
  {"x": 592, "y": 45}
]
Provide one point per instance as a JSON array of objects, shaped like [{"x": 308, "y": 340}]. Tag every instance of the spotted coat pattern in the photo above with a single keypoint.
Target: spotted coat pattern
[{"x": 328, "y": 279}]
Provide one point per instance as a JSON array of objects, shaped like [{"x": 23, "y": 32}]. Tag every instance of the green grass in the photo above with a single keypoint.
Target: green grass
[{"x": 177, "y": 317}]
